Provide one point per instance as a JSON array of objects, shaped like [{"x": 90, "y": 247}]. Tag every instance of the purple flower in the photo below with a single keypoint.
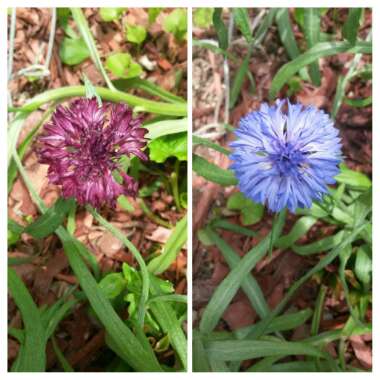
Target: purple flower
[
  {"x": 286, "y": 158},
  {"x": 82, "y": 145}
]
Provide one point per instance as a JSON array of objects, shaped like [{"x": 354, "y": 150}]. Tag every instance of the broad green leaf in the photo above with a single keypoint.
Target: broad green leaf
[
  {"x": 202, "y": 17},
  {"x": 171, "y": 248},
  {"x": 123, "y": 66},
  {"x": 112, "y": 285},
  {"x": 351, "y": 26},
  {"x": 220, "y": 28},
  {"x": 232, "y": 282},
  {"x": 212, "y": 172},
  {"x": 32, "y": 356},
  {"x": 251, "y": 212},
  {"x": 51, "y": 220},
  {"x": 110, "y": 14},
  {"x": 135, "y": 34},
  {"x": 73, "y": 51},
  {"x": 166, "y": 127},
  {"x": 176, "y": 23},
  {"x": 353, "y": 179},
  {"x": 241, "y": 18},
  {"x": 363, "y": 265},
  {"x": 174, "y": 145},
  {"x": 125, "y": 204},
  {"x": 322, "y": 49},
  {"x": 153, "y": 14}
]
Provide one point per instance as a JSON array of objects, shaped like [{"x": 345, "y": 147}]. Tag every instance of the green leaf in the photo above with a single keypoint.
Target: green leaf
[
  {"x": 312, "y": 30},
  {"x": 322, "y": 49},
  {"x": 232, "y": 282},
  {"x": 153, "y": 14},
  {"x": 171, "y": 248},
  {"x": 73, "y": 51},
  {"x": 322, "y": 245},
  {"x": 125, "y": 204},
  {"x": 202, "y": 17},
  {"x": 123, "y": 66},
  {"x": 363, "y": 265},
  {"x": 351, "y": 26},
  {"x": 32, "y": 356},
  {"x": 284, "y": 322},
  {"x": 166, "y": 317},
  {"x": 213, "y": 173},
  {"x": 300, "y": 228},
  {"x": 51, "y": 220},
  {"x": 110, "y": 14},
  {"x": 200, "y": 361},
  {"x": 241, "y": 18},
  {"x": 166, "y": 127},
  {"x": 358, "y": 102},
  {"x": 251, "y": 212},
  {"x": 128, "y": 346},
  {"x": 112, "y": 285},
  {"x": 149, "y": 87},
  {"x": 84, "y": 29},
  {"x": 220, "y": 28},
  {"x": 174, "y": 145},
  {"x": 176, "y": 23},
  {"x": 249, "y": 285},
  {"x": 250, "y": 349},
  {"x": 354, "y": 179},
  {"x": 210, "y": 144},
  {"x": 239, "y": 79},
  {"x": 135, "y": 34}
]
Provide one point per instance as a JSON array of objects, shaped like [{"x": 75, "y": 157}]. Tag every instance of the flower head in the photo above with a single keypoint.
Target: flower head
[
  {"x": 83, "y": 143},
  {"x": 286, "y": 158}
]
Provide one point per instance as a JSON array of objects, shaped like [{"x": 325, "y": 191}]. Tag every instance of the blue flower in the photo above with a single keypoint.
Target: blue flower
[{"x": 286, "y": 158}]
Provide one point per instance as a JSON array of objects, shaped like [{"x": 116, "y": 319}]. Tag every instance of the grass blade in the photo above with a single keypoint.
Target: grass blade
[
  {"x": 148, "y": 87},
  {"x": 312, "y": 28},
  {"x": 200, "y": 359},
  {"x": 171, "y": 248},
  {"x": 241, "y": 18},
  {"x": 212, "y": 172},
  {"x": 249, "y": 284},
  {"x": 84, "y": 29},
  {"x": 32, "y": 357},
  {"x": 51, "y": 220},
  {"x": 220, "y": 28},
  {"x": 144, "y": 105},
  {"x": 137, "y": 255},
  {"x": 230, "y": 285},
  {"x": 351, "y": 26},
  {"x": 232, "y": 350},
  {"x": 322, "y": 49},
  {"x": 210, "y": 144}
]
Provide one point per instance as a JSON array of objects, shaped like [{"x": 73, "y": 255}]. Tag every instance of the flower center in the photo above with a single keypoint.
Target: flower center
[{"x": 287, "y": 159}]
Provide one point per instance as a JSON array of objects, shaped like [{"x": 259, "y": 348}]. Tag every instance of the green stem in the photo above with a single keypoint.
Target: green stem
[
  {"x": 143, "y": 105},
  {"x": 154, "y": 218},
  {"x": 144, "y": 271},
  {"x": 174, "y": 183}
]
